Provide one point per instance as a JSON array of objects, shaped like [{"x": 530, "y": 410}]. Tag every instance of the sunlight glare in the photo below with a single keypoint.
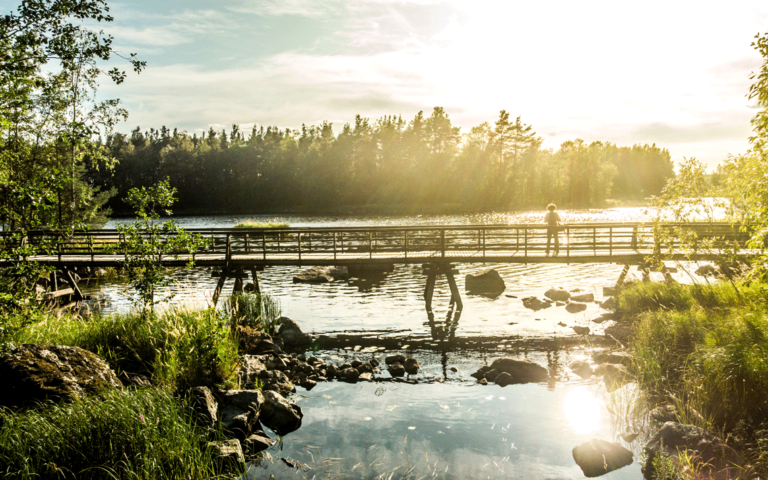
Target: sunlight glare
[{"x": 583, "y": 411}]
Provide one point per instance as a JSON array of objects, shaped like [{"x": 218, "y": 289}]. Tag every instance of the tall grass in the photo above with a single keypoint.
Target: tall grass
[
  {"x": 254, "y": 310},
  {"x": 143, "y": 434},
  {"x": 178, "y": 349},
  {"x": 705, "y": 349}
]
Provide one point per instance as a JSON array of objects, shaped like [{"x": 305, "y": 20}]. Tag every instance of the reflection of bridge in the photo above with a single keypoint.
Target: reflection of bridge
[{"x": 236, "y": 251}]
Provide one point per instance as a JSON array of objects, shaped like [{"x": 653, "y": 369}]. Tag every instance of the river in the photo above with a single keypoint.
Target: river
[{"x": 446, "y": 426}]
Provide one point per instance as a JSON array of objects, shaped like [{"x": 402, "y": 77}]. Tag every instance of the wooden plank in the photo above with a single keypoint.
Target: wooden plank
[{"x": 59, "y": 293}]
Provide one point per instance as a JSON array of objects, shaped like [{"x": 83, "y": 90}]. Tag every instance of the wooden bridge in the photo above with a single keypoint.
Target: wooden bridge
[{"x": 236, "y": 251}]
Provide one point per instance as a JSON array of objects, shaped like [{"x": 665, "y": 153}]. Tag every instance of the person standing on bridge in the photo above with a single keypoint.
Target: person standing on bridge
[{"x": 552, "y": 220}]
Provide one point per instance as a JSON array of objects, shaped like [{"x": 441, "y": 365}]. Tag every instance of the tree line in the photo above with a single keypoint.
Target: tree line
[{"x": 387, "y": 165}]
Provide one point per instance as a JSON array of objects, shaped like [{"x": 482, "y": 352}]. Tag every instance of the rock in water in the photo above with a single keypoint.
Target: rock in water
[
  {"x": 487, "y": 282},
  {"x": 396, "y": 369},
  {"x": 411, "y": 366},
  {"x": 291, "y": 334},
  {"x": 32, "y": 373},
  {"x": 250, "y": 368},
  {"x": 714, "y": 458},
  {"x": 279, "y": 414},
  {"x": 707, "y": 270},
  {"x": 581, "y": 330},
  {"x": 557, "y": 294},
  {"x": 521, "y": 371},
  {"x": 608, "y": 304},
  {"x": 320, "y": 274},
  {"x": 257, "y": 442},
  {"x": 535, "y": 304},
  {"x": 585, "y": 297},
  {"x": 581, "y": 368},
  {"x": 397, "y": 358},
  {"x": 598, "y": 457},
  {"x": 574, "y": 307},
  {"x": 503, "y": 379},
  {"x": 621, "y": 332}
]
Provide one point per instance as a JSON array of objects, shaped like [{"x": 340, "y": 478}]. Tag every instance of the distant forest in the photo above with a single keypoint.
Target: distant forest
[{"x": 386, "y": 165}]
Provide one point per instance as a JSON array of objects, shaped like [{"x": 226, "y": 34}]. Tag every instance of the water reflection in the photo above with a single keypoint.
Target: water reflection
[{"x": 435, "y": 431}]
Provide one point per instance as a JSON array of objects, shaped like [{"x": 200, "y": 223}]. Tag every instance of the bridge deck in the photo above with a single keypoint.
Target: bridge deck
[{"x": 579, "y": 243}]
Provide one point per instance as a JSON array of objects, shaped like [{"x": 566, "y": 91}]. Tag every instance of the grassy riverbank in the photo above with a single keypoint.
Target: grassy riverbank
[
  {"x": 704, "y": 349},
  {"x": 146, "y": 430}
]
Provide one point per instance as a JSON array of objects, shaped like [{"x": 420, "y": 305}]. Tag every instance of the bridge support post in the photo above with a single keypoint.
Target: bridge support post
[
  {"x": 433, "y": 270},
  {"x": 256, "y": 284},
  {"x": 219, "y": 286}
]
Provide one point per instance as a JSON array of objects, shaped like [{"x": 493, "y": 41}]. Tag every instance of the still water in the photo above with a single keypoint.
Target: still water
[{"x": 446, "y": 426}]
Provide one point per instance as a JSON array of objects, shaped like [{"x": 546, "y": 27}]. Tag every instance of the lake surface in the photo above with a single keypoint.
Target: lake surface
[{"x": 446, "y": 426}]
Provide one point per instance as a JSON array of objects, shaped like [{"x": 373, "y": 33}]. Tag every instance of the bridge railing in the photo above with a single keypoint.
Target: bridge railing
[{"x": 397, "y": 242}]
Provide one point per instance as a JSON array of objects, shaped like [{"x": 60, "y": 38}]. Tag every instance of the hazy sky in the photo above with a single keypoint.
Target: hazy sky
[{"x": 670, "y": 72}]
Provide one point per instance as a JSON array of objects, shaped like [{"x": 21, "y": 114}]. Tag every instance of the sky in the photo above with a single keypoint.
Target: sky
[{"x": 674, "y": 73}]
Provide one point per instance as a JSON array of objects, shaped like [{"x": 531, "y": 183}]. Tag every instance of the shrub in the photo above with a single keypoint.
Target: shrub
[{"x": 142, "y": 434}]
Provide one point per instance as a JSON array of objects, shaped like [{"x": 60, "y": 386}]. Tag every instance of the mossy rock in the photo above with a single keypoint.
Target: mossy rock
[{"x": 37, "y": 373}]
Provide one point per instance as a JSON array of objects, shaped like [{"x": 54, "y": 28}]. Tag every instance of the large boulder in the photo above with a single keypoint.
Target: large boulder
[
  {"x": 598, "y": 457},
  {"x": 36, "y": 373},
  {"x": 279, "y": 414},
  {"x": 713, "y": 458},
  {"x": 290, "y": 333},
  {"x": 321, "y": 274},
  {"x": 239, "y": 410},
  {"x": 411, "y": 366},
  {"x": 488, "y": 282},
  {"x": 256, "y": 342},
  {"x": 557, "y": 294},
  {"x": 520, "y": 371}
]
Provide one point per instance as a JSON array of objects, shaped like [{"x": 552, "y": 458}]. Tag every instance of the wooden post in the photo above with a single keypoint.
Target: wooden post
[
  {"x": 299, "y": 248},
  {"x": 71, "y": 279},
  {"x": 594, "y": 240},
  {"x": 247, "y": 248},
  {"x": 634, "y": 238},
  {"x": 483, "y": 244},
  {"x": 406, "y": 244},
  {"x": 228, "y": 253},
  {"x": 334, "y": 245},
  {"x": 219, "y": 286},
  {"x": 256, "y": 284},
  {"x": 90, "y": 245},
  {"x": 455, "y": 296},
  {"x": 370, "y": 244},
  {"x": 430, "y": 288},
  {"x": 264, "y": 245},
  {"x": 610, "y": 241},
  {"x": 525, "y": 245},
  {"x": 442, "y": 243},
  {"x": 568, "y": 243}
]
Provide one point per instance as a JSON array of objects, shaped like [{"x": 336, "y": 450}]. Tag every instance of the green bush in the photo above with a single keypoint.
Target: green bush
[
  {"x": 143, "y": 434},
  {"x": 179, "y": 348}
]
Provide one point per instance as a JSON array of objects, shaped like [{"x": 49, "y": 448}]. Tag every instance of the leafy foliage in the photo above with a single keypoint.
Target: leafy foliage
[{"x": 145, "y": 242}]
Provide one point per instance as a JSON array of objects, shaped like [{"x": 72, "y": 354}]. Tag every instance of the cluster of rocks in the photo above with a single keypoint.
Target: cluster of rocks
[
  {"x": 280, "y": 371},
  {"x": 506, "y": 371},
  {"x": 611, "y": 365},
  {"x": 34, "y": 373},
  {"x": 560, "y": 297},
  {"x": 242, "y": 414},
  {"x": 320, "y": 274}
]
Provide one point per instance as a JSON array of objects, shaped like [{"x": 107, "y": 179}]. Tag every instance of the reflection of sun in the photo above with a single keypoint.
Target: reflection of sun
[{"x": 582, "y": 410}]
